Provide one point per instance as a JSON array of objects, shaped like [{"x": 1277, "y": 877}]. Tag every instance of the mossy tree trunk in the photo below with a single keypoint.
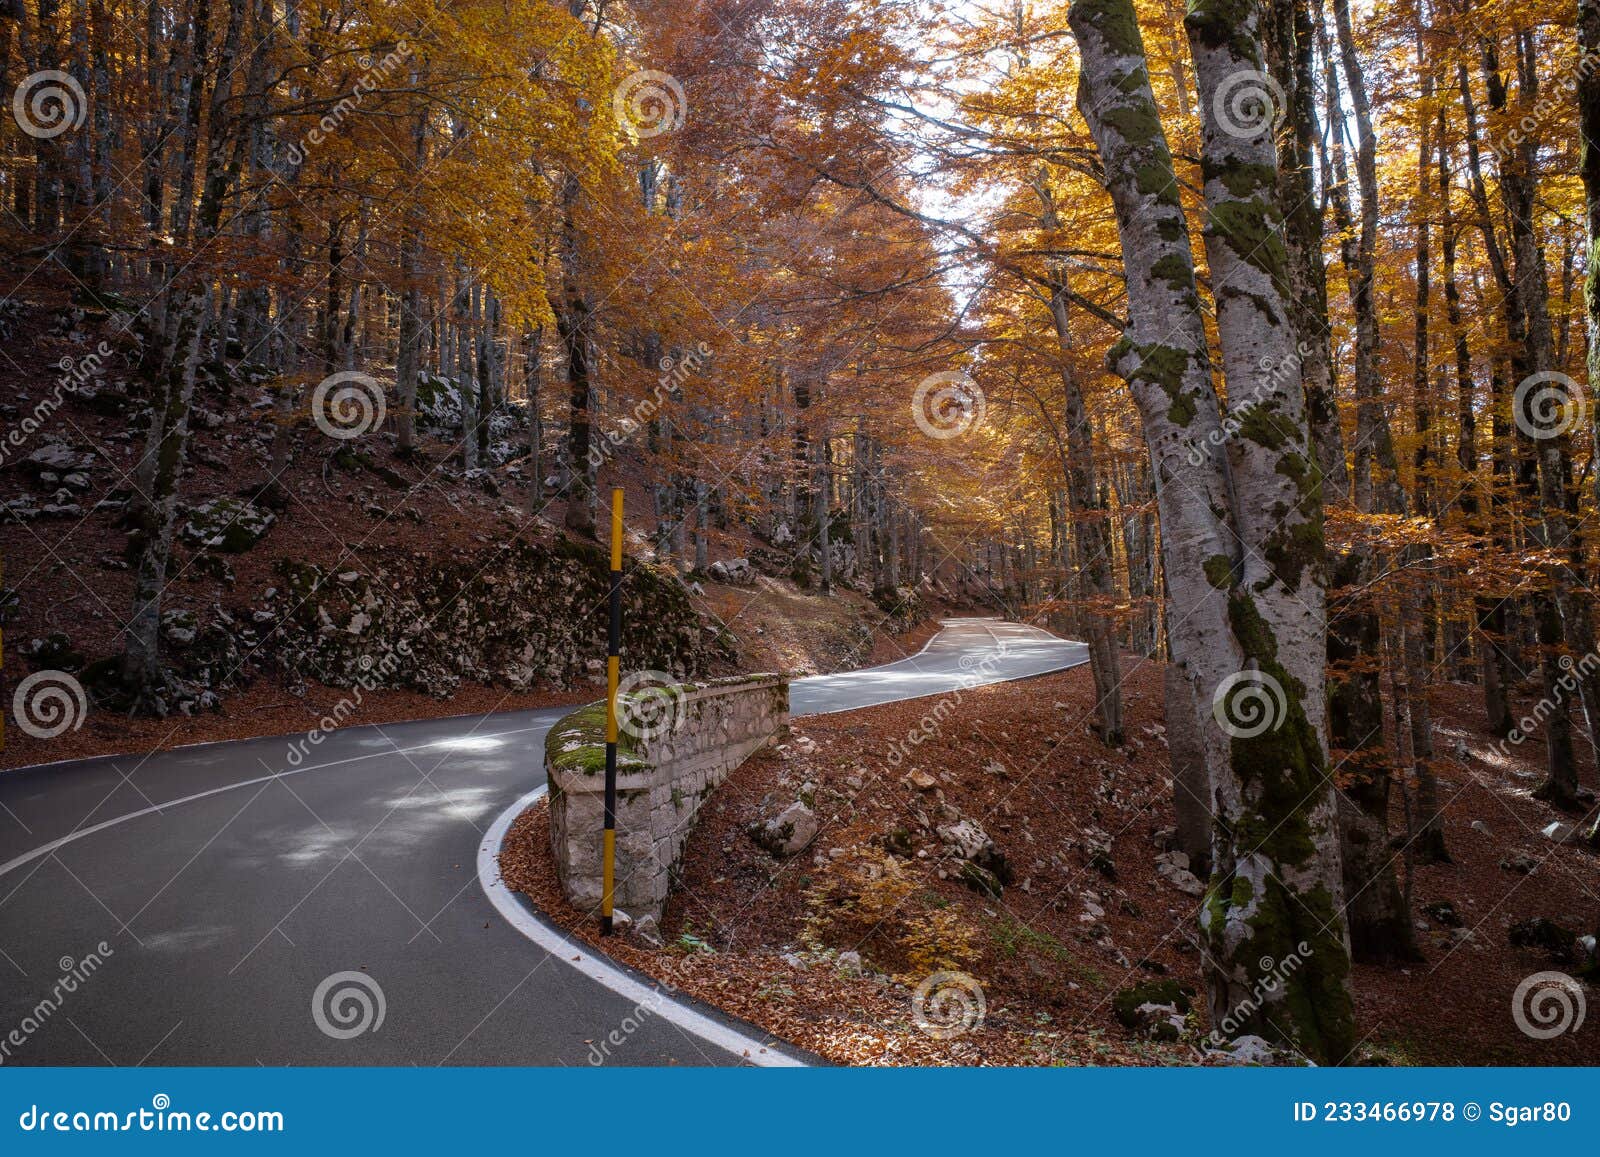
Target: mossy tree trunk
[
  {"x": 1277, "y": 887},
  {"x": 1241, "y": 521},
  {"x": 1377, "y": 916}
]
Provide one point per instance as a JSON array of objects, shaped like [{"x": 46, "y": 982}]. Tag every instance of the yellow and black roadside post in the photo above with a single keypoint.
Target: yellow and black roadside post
[{"x": 608, "y": 853}]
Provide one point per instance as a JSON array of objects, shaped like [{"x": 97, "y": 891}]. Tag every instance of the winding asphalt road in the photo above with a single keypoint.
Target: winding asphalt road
[{"x": 228, "y": 883}]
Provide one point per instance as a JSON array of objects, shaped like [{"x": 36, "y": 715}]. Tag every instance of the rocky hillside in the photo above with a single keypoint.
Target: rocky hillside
[{"x": 305, "y": 566}]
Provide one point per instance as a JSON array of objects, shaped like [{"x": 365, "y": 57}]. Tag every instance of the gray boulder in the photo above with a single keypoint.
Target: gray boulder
[
  {"x": 1173, "y": 867},
  {"x": 233, "y": 525},
  {"x": 1246, "y": 1050},
  {"x": 56, "y": 458},
  {"x": 734, "y": 572},
  {"x": 789, "y": 832}
]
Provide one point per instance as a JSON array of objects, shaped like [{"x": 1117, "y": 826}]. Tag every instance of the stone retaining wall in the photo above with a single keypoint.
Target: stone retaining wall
[{"x": 662, "y": 779}]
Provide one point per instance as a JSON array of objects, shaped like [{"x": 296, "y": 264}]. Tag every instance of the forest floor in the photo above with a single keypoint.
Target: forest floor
[
  {"x": 66, "y": 570},
  {"x": 1087, "y": 915}
]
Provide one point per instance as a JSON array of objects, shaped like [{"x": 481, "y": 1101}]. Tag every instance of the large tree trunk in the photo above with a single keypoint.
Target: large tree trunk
[
  {"x": 572, "y": 316},
  {"x": 1242, "y": 534},
  {"x": 1380, "y": 927},
  {"x": 165, "y": 450}
]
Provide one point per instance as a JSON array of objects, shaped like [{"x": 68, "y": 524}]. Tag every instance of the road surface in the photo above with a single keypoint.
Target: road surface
[{"x": 228, "y": 881}]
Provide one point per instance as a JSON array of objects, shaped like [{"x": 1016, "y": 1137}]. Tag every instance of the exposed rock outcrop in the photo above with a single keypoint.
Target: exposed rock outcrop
[{"x": 517, "y": 615}]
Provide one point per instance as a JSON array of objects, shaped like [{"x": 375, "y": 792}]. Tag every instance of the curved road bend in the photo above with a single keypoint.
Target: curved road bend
[{"x": 228, "y": 883}]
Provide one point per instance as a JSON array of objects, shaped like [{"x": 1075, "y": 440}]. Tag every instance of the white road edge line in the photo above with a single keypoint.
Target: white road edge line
[
  {"x": 597, "y": 967},
  {"x": 77, "y": 834}
]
